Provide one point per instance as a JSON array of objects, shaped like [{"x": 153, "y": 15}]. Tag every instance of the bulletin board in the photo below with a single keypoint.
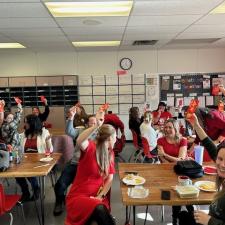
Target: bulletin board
[
  {"x": 176, "y": 87},
  {"x": 121, "y": 92}
]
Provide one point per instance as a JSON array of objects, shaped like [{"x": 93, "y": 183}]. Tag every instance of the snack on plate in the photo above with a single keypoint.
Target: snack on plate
[
  {"x": 130, "y": 177},
  {"x": 138, "y": 180},
  {"x": 208, "y": 186}
]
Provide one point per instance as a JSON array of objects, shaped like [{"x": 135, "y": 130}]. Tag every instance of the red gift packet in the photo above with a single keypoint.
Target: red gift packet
[
  {"x": 221, "y": 106},
  {"x": 193, "y": 106},
  {"x": 42, "y": 97},
  {"x": 215, "y": 89},
  {"x": 104, "y": 107},
  {"x": 17, "y": 100}
]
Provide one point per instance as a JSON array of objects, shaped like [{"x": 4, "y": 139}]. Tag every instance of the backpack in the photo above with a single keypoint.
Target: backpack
[
  {"x": 189, "y": 168},
  {"x": 4, "y": 157}
]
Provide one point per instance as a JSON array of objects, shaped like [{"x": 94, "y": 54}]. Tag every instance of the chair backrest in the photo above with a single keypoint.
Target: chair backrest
[
  {"x": 2, "y": 200},
  {"x": 135, "y": 139},
  {"x": 146, "y": 147}
]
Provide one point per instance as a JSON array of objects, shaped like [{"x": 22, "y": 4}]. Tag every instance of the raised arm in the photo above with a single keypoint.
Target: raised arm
[
  {"x": 206, "y": 141},
  {"x": 2, "y": 105},
  {"x": 82, "y": 140},
  {"x": 70, "y": 130}
]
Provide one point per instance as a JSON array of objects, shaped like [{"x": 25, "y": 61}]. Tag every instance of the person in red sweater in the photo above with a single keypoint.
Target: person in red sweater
[
  {"x": 160, "y": 115},
  {"x": 114, "y": 120}
]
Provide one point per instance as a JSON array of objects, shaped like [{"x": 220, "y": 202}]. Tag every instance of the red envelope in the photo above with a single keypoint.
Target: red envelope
[
  {"x": 215, "y": 89},
  {"x": 1, "y": 108},
  {"x": 221, "y": 106},
  {"x": 42, "y": 97},
  {"x": 180, "y": 102},
  {"x": 17, "y": 100},
  {"x": 104, "y": 107},
  {"x": 78, "y": 104},
  {"x": 193, "y": 106}
]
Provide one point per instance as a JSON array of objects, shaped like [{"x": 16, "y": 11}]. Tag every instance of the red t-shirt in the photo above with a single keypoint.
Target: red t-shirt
[
  {"x": 164, "y": 116},
  {"x": 171, "y": 149}
]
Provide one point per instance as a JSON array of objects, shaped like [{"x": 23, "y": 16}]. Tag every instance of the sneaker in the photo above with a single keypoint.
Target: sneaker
[{"x": 58, "y": 209}]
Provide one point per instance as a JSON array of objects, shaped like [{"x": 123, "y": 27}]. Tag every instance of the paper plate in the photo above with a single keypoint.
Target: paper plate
[
  {"x": 131, "y": 179},
  {"x": 210, "y": 170},
  {"x": 206, "y": 185},
  {"x": 46, "y": 159}
]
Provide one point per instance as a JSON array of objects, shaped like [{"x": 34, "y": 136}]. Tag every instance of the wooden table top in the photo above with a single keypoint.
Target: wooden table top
[
  {"x": 31, "y": 166},
  {"x": 160, "y": 177}
]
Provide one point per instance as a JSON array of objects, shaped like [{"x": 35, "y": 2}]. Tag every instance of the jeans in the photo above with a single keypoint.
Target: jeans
[
  {"x": 64, "y": 181},
  {"x": 24, "y": 185}
]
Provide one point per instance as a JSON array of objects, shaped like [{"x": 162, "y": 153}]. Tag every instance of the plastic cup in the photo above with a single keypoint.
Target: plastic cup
[{"x": 199, "y": 151}]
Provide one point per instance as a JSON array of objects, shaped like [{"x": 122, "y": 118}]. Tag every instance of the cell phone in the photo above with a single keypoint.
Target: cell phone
[{"x": 165, "y": 195}]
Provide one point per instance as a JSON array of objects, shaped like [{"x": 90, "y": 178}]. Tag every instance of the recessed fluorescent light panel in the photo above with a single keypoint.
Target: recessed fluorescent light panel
[
  {"x": 219, "y": 9},
  {"x": 86, "y": 9},
  {"x": 96, "y": 43},
  {"x": 11, "y": 45}
]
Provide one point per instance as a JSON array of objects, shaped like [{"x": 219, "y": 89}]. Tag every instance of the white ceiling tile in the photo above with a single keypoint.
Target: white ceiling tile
[
  {"x": 103, "y": 21},
  {"x": 206, "y": 28},
  {"x": 155, "y": 29},
  {"x": 27, "y": 23},
  {"x": 162, "y": 20},
  {"x": 176, "y": 7},
  {"x": 8, "y": 10},
  {"x": 201, "y": 35},
  {"x": 17, "y": 1},
  {"x": 143, "y": 36},
  {"x": 95, "y": 37},
  {"x": 31, "y": 32},
  {"x": 212, "y": 19},
  {"x": 93, "y": 30}
]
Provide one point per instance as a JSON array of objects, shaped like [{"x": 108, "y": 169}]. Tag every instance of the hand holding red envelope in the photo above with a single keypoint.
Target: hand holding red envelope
[
  {"x": 17, "y": 100},
  {"x": 42, "y": 97},
  {"x": 215, "y": 89},
  {"x": 2, "y": 105},
  {"x": 104, "y": 107},
  {"x": 192, "y": 107},
  {"x": 78, "y": 104}
]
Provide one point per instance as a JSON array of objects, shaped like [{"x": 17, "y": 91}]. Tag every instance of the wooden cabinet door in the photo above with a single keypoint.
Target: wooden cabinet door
[{"x": 22, "y": 81}]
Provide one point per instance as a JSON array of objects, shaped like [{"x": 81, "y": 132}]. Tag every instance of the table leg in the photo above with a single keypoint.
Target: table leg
[
  {"x": 42, "y": 196},
  {"x": 162, "y": 213},
  {"x": 134, "y": 214}
]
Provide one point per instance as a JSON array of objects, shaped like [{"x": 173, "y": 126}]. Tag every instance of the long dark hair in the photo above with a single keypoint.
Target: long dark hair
[
  {"x": 220, "y": 181},
  {"x": 80, "y": 119},
  {"x": 35, "y": 125},
  {"x": 134, "y": 113},
  {"x": 161, "y": 104}
]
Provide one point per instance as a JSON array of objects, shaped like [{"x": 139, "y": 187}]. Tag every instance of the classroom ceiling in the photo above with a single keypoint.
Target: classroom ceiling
[{"x": 173, "y": 23}]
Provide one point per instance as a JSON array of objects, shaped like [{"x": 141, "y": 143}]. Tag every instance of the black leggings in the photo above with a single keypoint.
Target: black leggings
[{"x": 101, "y": 216}]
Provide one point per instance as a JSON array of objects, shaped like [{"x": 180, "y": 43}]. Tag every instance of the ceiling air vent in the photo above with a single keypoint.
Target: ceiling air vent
[{"x": 145, "y": 42}]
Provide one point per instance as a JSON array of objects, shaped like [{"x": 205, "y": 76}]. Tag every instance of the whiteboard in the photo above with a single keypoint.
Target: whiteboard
[
  {"x": 138, "y": 98},
  {"x": 124, "y": 108},
  {"x": 88, "y": 109},
  {"x": 112, "y": 99},
  {"x": 126, "y": 89},
  {"x": 111, "y": 90},
  {"x": 99, "y": 99},
  {"x": 125, "y": 79},
  {"x": 138, "y": 89},
  {"x": 85, "y": 80},
  {"x": 114, "y": 108},
  {"x": 98, "y": 80},
  {"x": 111, "y": 80},
  {"x": 85, "y": 90},
  {"x": 125, "y": 99},
  {"x": 99, "y": 90},
  {"x": 139, "y": 79},
  {"x": 86, "y": 100}
]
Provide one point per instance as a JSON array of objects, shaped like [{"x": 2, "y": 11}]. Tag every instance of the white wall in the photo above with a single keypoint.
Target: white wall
[{"x": 24, "y": 63}]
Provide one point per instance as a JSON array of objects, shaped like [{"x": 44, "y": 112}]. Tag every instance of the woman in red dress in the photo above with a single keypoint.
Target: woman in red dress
[{"x": 87, "y": 202}]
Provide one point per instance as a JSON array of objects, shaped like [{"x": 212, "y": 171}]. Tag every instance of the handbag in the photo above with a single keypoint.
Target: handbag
[{"x": 189, "y": 168}]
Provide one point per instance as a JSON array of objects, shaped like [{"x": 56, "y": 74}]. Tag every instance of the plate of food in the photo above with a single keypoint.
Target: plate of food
[
  {"x": 46, "y": 159},
  {"x": 206, "y": 185},
  {"x": 138, "y": 192},
  {"x": 131, "y": 179},
  {"x": 210, "y": 170}
]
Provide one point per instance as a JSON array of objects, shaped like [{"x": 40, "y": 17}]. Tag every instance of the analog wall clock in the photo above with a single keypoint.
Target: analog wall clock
[{"x": 125, "y": 63}]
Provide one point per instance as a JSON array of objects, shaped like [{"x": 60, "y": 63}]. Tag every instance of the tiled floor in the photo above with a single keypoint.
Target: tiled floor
[{"x": 118, "y": 210}]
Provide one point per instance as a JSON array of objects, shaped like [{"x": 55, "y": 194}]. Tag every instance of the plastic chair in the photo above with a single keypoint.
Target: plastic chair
[
  {"x": 138, "y": 149},
  {"x": 7, "y": 202}
]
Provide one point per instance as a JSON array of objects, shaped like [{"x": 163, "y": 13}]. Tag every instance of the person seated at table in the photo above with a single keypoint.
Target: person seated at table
[
  {"x": 160, "y": 115},
  {"x": 34, "y": 139},
  {"x": 172, "y": 148},
  {"x": 42, "y": 116},
  {"x": 9, "y": 128},
  {"x": 86, "y": 203},
  {"x": 216, "y": 215},
  {"x": 69, "y": 172},
  {"x": 135, "y": 122},
  {"x": 80, "y": 119},
  {"x": 148, "y": 132},
  {"x": 213, "y": 122}
]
